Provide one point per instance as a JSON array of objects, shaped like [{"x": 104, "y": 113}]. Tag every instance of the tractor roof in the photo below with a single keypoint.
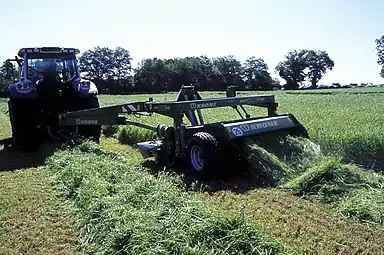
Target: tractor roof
[{"x": 43, "y": 50}]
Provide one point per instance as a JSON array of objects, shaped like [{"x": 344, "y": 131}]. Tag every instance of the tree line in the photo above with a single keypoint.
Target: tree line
[{"x": 112, "y": 71}]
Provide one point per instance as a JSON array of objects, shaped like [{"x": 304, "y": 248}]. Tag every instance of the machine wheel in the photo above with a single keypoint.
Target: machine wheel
[
  {"x": 202, "y": 155},
  {"x": 92, "y": 132},
  {"x": 25, "y": 134}
]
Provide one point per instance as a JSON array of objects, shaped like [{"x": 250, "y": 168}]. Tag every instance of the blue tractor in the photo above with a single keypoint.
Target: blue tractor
[{"x": 49, "y": 84}]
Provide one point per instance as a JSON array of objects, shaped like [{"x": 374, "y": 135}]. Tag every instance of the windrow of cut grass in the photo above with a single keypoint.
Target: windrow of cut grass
[
  {"x": 299, "y": 167},
  {"x": 356, "y": 193},
  {"x": 126, "y": 210}
]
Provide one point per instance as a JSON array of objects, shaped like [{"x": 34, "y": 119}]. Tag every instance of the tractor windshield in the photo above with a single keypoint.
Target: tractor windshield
[{"x": 66, "y": 66}]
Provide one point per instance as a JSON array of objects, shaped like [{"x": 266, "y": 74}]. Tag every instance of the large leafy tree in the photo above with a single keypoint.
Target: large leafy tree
[
  {"x": 102, "y": 63},
  {"x": 151, "y": 76},
  {"x": 257, "y": 75},
  {"x": 230, "y": 71},
  {"x": 8, "y": 71},
  {"x": 121, "y": 63},
  {"x": 301, "y": 64},
  {"x": 292, "y": 68},
  {"x": 318, "y": 62},
  {"x": 109, "y": 68}
]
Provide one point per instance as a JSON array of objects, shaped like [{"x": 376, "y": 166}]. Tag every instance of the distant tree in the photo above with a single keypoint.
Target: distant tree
[
  {"x": 121, "y": 63},
  {"x": 292, "y": 68},
  {"x": 256, "y": 74},
  {"x": 301, "y": 64},
  {"x": 109, "y": 69},
  {"x": 202, "y": 72},
  {"x": 8, "y": 71},
  {"x": 230, "y": 71},
  {"x": 380, "y": 53},
  {"x": 318, "y": 62},
  {"x": 98, "y": 63},
  {"x": 151, "y": 76},
  {"x": 208, "y": 73}
]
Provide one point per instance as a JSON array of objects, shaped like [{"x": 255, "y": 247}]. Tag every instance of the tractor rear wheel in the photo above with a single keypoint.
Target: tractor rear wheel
[
  {"x": 25, "y": 133},
  {"x": 202, "y": 155},
  {"x": 92, "y": 132}
]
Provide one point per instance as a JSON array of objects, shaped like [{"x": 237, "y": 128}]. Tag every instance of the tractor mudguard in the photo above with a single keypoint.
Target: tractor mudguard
[{"x": 85, "y": 88}]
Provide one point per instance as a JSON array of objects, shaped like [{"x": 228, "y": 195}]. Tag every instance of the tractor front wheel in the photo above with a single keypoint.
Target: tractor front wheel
[
  {"x": 25, "y": 134},
  {"x": 202, "y": 155}
]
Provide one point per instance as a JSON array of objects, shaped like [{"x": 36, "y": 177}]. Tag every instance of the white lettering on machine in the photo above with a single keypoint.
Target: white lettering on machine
[
  {"x": 202, "y": 105},
  {"x": 86, "y": 122},
  {"x": 255, "y": 126}
]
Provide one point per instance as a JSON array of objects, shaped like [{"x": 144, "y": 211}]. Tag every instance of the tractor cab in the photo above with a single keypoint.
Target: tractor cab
[{"x": 38, "y": 61}]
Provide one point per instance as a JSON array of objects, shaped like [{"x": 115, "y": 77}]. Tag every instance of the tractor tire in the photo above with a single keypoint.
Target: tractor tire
[
  {"x": 202, "y": 155},
  {"x": 92, "y": 132},
  {"x": 25, "y": 133}
]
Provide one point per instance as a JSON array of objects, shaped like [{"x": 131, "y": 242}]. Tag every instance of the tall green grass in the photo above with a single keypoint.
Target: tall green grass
[
  {"x": 128, "y": 211},
  {"x": 356, "y": 193}
]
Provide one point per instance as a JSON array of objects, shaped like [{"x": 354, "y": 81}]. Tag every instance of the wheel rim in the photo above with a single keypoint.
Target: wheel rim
[{"x": 196, "y": 159}]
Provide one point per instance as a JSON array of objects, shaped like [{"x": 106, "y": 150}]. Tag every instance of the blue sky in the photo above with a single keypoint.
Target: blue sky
[{"x": 346, "y": 29}]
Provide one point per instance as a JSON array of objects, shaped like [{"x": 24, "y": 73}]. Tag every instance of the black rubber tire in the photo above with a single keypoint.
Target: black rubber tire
[
  {"x": 92, "y": 132},
  {"x": 25, "y": 134},
  {"x": 208, "y": 147}
]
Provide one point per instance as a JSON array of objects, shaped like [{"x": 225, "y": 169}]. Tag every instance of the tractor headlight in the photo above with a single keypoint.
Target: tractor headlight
[
  {"x": 85, "y": 85},
  {"x": 24, "y": 87}
]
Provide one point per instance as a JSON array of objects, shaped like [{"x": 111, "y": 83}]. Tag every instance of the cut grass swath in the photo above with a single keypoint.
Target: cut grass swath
[{"x": 128, "y": 211}]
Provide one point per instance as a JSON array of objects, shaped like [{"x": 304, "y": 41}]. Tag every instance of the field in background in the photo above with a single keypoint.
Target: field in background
[{"x": 127, "y": 205}]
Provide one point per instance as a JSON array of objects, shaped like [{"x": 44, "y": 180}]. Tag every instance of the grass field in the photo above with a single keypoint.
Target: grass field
[{"x": 106, "y": 199}]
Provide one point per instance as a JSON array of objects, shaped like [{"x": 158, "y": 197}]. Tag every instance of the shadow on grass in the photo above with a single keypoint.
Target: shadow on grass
[
  {"x": 11, "y": 159},
  {"x": 238, "y": 182},
  {"x": 373, "y": 159},
  {"x": 365, "y": 154}
]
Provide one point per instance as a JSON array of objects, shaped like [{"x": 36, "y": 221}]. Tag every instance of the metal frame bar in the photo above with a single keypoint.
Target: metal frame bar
[{"x": 174, "y": 109}]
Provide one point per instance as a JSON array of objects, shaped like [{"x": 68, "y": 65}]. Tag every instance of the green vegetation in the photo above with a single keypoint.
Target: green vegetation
[
  {"x": 34, "y": 218},
  {"x": 320, "y": 203},
  {"x": 128, "y": 211}
]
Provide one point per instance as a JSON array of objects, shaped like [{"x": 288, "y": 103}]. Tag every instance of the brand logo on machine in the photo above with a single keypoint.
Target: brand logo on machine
[
  {"x": 237, "y": 131},
  {"x": 244, "y": 101},
  {"x": 256, "y": 126},
  {"x": 86, "y": 122},
  {"x": 162, "y": 107},
  {"x": 202, "y": 105}
]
